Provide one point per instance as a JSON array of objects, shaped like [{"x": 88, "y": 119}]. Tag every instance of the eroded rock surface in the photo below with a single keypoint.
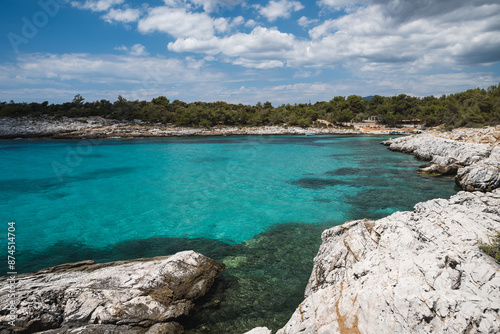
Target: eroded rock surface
[
  {"x": 411, "y": 272},
  {"x": 133, "y": 296},
  {"x": 477, "y": 166}
]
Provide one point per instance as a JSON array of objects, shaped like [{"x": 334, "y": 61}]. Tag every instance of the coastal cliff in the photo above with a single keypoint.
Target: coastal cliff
[
  {"x": 133, "y": 296},
  {"x": 418, "y": 271}
]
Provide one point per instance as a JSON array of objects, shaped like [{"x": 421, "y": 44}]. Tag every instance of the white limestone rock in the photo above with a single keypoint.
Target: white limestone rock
[
  {"x": 259, "y": 330},
  {"x": 411, "y": 272},
  {"x": 477, "y": 166},
  {"x": 128, "y": 294}
]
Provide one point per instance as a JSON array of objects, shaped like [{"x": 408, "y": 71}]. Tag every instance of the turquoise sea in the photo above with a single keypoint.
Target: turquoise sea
[{"x": 256, "y": 203}]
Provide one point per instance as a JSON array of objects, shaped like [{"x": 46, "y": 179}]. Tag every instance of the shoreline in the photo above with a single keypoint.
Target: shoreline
[{"x": 97, "y": 127}]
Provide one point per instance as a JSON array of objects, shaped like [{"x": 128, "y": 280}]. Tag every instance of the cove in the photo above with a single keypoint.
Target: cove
[{"x": 256, "y": 203}]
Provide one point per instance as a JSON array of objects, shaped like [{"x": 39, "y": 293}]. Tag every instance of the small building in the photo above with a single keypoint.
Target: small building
[
  {"x": 371, "y": 119},
  {"x": 322, "y": 121}
]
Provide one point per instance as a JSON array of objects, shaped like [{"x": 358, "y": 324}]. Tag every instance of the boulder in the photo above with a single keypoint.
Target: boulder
[{"x": 130, "y": 296}]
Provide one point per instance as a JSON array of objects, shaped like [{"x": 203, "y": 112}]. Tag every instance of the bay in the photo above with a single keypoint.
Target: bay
[{"x": 256, "y": 203}]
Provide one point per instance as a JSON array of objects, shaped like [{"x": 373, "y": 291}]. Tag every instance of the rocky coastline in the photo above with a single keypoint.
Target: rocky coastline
[
  {"x": 133, "y": 297},
  {"x": 98, "y": 127},
  {"x": 476, "y": 166}
]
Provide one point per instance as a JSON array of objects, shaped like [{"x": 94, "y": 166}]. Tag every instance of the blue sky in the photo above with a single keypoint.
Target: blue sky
[{"x": 283, "y": 51}]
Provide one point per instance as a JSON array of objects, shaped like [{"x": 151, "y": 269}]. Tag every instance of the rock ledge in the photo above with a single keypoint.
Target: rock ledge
[{"x": 133, "y": 296}]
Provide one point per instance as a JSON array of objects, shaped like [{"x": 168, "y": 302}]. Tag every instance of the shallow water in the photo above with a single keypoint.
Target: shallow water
[{"x": 256, "y": 203}]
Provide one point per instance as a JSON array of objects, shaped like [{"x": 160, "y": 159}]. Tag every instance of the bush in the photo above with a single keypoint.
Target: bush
[{"x": 492, "y": 249}]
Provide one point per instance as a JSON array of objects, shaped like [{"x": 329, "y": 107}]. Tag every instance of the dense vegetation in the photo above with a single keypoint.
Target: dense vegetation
[{"x": 475, "y": 107}]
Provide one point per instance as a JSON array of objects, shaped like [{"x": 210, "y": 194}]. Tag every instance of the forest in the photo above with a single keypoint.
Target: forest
[{"x": 472, "y": 108}]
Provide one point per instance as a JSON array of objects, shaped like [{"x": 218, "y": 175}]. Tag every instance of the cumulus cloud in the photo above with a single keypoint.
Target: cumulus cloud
[
  {"x": 281, "y": 8},
  {"x": 211, "y": 5},
  {"x": 134, "y": 50},
  {"x": 305, "y": 22},
  {"x": 262, "y": 48},
  {"x": 127, "y": 15},
  {"x": 180, "y": 23},
  {"x": 96, "y": 5}
]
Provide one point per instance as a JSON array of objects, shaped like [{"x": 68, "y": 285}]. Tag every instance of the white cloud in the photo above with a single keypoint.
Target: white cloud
[
  {"x": 135, "y": 50},
  {"x": 122, "y": 15},
  {"x": 304, "y": 21},
  {"x": 211, "y": 5},
  {"x": 180, "y": 24},
  {"x": 262, "y": 48},
  {"x": 97, "y": 5},
  {"x": 280, "y": 8},
  {"x": 250, "y": 23},
  {"x": 138, "y": 50},
  {"x": 103, "y": 69},
  {"x": 239, "y": 20},
  {"x": 365, "y": 39},
  {"x": 338, "y": 4}
]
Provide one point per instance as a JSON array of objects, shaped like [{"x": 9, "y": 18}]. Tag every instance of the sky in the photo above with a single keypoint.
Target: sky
[{"x": 282, "y": 51}]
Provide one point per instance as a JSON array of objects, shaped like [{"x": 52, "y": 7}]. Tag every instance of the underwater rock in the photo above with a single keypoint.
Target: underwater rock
[
  {"x": 477, "y": 166},
  {"x": 133, "y": 296},
  {"x": 418, "y": 272}
]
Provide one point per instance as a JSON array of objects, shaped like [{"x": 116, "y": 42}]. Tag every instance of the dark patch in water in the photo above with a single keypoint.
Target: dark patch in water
[
  {"x": 345, "y": 171},
  {"x": 23, "y": 186},
  {"x": 210, "y": 159},
  {"x": 391, "y": 193},
  {"x": 317, "y": 183},
  {"x": 322, "y": 200},
  {"x": 95, "y": 155}
]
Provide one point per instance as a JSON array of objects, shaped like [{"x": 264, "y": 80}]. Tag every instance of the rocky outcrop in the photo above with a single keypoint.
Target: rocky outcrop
[
  {"x": 133, "y": 296},
  {"x": 476, "y": 166},
  {"x": 486, "y": 135},
  {"x": 411, "y": 272}
]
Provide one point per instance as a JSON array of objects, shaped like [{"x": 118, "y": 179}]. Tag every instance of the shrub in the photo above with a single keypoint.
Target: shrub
[{"x": 492, "y": 249}]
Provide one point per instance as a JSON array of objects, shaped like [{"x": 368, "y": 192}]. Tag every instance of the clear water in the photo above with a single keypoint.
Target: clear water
[{"x": 256, "y": 203}]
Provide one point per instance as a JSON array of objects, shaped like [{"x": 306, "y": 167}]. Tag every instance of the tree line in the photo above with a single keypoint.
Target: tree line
[{"x": 474, "y": 107}]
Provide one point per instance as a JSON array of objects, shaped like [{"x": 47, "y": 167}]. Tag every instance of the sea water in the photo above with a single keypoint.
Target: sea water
[{"x": 256, "y": 203}]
